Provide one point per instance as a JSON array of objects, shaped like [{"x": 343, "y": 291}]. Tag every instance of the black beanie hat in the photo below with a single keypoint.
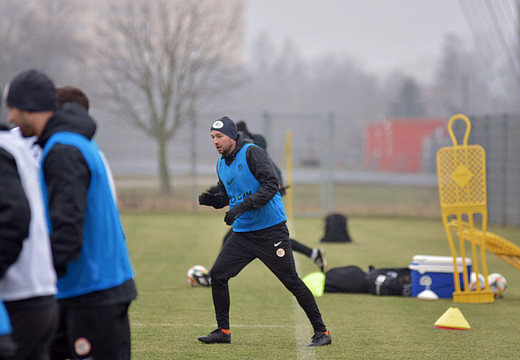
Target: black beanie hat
[
  {"x": 31, "y": 90},
  {"x": 226, "y": 126}
]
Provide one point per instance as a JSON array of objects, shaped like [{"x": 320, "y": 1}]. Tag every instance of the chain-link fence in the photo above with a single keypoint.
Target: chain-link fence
[
  {"x": 499, "y": 135},
  {"x": 329, "y": 157}
]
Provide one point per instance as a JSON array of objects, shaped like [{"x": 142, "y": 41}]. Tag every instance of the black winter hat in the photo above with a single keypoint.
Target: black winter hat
[
  {"x": 226, "y": 126},
  {"x": 31, "y": 90}
]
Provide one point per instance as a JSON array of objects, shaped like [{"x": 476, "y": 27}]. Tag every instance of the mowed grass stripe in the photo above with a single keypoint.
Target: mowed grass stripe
[
  {"x": 301, "y": 321},
  {"x": 164, "y": 245}
]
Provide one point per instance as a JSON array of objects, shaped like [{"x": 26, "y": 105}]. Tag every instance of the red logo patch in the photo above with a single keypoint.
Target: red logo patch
[{"x": 280, "y": 252}]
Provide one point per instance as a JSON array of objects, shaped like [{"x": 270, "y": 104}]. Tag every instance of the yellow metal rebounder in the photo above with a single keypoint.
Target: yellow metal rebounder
[
  {"x": 495, "y": 244},
  {"x": 461, "y": 171}
]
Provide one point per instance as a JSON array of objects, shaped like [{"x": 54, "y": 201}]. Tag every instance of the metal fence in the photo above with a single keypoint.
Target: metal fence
[
  {"x": 313, "y": 147},
  {"x": 327, "y": 151},
  {"x": 499, "y": 136}
]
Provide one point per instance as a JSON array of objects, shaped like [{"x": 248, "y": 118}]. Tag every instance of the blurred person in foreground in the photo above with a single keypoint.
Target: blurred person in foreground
[
  {"x": 27, "y": 276},
  {"x": 95, "y": 276},
  {"x": 70, "y": 94},
  {"x": 7, "y": 345},
  {"x": 248, "y": 184}
]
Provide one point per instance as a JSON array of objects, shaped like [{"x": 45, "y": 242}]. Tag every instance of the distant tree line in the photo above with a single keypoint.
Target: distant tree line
[{"x": 156, "y": 63}]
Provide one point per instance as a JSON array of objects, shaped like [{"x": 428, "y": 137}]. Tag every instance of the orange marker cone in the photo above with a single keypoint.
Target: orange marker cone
[{"x": 452, "y": 319}]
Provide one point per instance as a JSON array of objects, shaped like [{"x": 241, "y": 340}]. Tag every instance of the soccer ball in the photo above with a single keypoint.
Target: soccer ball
[
  {"x": 473, "y": 281},
  {"x": 497, "y": 284},
  {"x": 198, "y": 276}
]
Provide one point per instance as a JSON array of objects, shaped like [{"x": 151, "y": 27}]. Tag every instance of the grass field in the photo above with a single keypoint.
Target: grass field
[
  {"x": 352, "y": 199},
  {"x": 267, "y": 323}
]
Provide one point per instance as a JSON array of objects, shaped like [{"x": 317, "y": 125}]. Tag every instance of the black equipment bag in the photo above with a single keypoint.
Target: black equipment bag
[
  {"x": 390, "y": 281},
  {"x": 336, "y": 229},
  {"x": 347, "y": 279}
]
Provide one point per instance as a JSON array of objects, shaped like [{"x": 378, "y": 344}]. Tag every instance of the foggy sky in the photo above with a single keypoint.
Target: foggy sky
[{"x": 383, "y": 35}]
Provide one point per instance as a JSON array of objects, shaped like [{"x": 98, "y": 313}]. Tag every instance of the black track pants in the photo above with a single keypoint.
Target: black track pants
[
  {"x": 273, "y": 248},
  {"x": 296, "y": 246},
  {"x": 33, "y": 327},
  {"x": 93, "y": 332}
]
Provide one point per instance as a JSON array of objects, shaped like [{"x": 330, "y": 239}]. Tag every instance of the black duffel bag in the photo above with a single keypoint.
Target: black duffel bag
[
  {"x": 389, "y": 281},
  {"x": 347, "y": 279}
]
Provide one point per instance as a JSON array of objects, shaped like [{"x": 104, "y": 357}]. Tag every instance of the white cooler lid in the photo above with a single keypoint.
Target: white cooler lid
[{"x": 429, "y": 263}]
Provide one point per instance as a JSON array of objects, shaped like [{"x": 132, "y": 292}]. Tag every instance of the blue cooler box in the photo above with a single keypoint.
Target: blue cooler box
[{"x": 438, "y": 272}]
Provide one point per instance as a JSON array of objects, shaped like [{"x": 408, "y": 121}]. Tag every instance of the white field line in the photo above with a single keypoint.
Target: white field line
[
  {"x": 301, "y": 325},
  {"x": 214, "y": 325},
  {"x": 301, "y": 321}
]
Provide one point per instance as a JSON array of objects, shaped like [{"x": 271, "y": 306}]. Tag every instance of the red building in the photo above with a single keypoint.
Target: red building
[{"x": 398, "y": 144}]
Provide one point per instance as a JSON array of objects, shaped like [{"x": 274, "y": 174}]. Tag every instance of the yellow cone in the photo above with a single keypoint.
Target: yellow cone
[
  {"x": 315, "y": 281},
  {"x": 452, "y": 319}
]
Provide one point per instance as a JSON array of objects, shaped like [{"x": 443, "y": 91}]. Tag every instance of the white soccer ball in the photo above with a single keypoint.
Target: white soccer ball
[
  {"x": 497, "y": 284},
  {"x": 473, "y": 281},
  {"x": 198, "y": 275}
]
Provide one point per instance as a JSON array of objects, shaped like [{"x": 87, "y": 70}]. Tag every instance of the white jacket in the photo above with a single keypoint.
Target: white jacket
[{"x": 32, "y": 274}]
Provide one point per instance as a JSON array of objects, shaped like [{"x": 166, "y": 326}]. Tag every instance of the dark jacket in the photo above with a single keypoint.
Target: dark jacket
[
  {"x": 261, "y": 167},
  {"x": 67, "y": 176},
  {"x": 15, "y": 213},
  {"x": 260, "y": 141}
]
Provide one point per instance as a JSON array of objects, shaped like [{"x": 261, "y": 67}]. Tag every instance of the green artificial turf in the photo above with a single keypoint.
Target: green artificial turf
[{"x": 267, "y": 323}]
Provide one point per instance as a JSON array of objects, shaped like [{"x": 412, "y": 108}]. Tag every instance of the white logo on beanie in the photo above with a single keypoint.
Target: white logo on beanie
[
  {"x": 6, "y": 91},
  {"x": 218, "y": 124}
]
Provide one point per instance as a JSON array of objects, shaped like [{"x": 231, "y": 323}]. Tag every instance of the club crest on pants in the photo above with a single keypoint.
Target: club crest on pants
[
  {"x": 82, "y": 346},
  {"x": 280, "y": 252}
]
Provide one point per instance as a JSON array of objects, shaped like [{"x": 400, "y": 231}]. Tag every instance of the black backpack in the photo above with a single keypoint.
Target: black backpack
[
  {"x": 336, "y": 229},
  {"x": 389, "y": 281}
]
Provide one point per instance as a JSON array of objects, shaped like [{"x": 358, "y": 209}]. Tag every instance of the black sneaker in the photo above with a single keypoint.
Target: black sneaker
[
  {"x": 320, "y": 339},
  {"x": 320, "y": 260},
  {"x": 216, "y": 336}
]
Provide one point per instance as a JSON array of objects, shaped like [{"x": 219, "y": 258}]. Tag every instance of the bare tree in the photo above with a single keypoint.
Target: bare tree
[{"x": 160, "y": 58}]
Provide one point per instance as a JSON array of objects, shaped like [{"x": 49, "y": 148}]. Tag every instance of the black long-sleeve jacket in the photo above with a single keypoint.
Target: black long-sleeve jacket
[
  {"x": 15, "y": 213},
  {"x": 261, "y": 166},
  {"x": 67, "y": 177}
]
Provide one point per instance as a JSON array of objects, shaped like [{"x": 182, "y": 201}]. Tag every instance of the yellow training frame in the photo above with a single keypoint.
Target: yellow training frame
[{"x": 461, "y": 171}]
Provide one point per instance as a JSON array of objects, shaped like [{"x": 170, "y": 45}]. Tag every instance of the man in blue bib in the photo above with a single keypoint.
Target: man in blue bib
[
  {"x": 248, "y": 184},
  {"x": 89, "y": 251}
]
